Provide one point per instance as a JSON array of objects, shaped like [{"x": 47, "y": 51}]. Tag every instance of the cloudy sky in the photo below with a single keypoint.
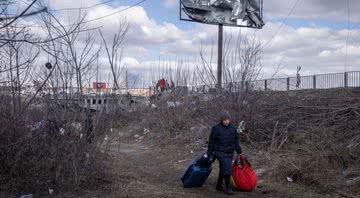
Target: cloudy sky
[{"x": 310, "y": 33}]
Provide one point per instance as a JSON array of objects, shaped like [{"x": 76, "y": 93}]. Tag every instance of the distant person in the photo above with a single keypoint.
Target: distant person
[
  {"x": 167, "y": 85},
  {"x": 52, "y": 127},
  {"x": 172, "y": 85},
  {"x": 161, "y": 84},
  {"x": 129, "y": 98},
  {"x": 223, "y": 141},
  {"x": 89, "y": 127}
]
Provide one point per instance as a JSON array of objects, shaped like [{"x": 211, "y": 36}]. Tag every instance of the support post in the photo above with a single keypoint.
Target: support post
[
  {"x": 288, "y": 84},
  {"x": 346, "y": 76},
  {"x": 220, "y": 49},
  {"x": 265, "y": 85},
  {"x": 314, "y": 82}
]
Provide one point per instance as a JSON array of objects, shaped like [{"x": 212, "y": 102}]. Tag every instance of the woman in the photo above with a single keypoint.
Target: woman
[{"x": 223, "y": 142}]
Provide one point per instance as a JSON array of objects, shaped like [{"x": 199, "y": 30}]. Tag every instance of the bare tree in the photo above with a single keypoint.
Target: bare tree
[
  {"x": 18, "y": 59},
  {"x": 114, "y": 52},
  {"x": 78, "y": 52},
  {"x": 32, "y": 99},
  {"x": 241, "y": 61}
]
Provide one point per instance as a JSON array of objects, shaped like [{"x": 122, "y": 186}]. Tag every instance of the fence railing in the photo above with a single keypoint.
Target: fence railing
[{"x": 319, "y": 81}]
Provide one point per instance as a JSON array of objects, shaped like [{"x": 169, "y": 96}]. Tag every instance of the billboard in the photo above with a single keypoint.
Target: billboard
[
  {"x": 99, "y": 85},
  {"x": 241, "y": 13}
]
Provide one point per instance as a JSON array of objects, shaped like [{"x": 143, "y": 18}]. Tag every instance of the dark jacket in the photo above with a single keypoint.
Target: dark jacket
[{"x": 224, "y": 139}]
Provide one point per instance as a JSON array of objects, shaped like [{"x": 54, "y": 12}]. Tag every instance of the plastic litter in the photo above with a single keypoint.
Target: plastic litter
[
  {"x": 27, "y": 196},
  {"x": 62, "y": 131},
  {"x": 241, "y": 127},
  {"x": 289, "y": 179},
  {"x": 172, "y": 104},
  {"x": 146, "y": 131}
]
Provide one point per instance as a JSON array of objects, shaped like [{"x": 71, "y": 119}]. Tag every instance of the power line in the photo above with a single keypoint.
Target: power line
[
  {"x": 24, "y": 15},
  {"x": 282, "y": 23},
  {"x": 116, "y": 12},
  {"x": 102, "y": 17},
  {"x": 20, "y": 15},
  {"x": 82, "y": 8}
]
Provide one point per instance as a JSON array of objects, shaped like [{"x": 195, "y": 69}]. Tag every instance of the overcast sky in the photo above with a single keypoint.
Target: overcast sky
[{"x": 313, "y": 35}]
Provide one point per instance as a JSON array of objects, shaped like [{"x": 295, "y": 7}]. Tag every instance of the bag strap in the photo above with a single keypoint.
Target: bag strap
[
  {"x": 245, "y": 162},
  {"x": 241, "y": 161}
]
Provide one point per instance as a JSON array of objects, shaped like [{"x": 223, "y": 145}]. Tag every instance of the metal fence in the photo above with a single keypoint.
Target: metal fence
[{"x": 319, "y": 81}]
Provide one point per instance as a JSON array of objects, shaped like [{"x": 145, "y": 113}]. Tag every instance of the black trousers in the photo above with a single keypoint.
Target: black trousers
[{"x": 225, "y": 163}]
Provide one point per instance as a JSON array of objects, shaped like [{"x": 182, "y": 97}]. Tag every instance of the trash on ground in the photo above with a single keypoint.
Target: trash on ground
[
  {"x": 146, "y": 131},
  {"x": 62, "y": 131},
  {"x": 289, "y": 179},
  {"x": 27, "y": 196},
  {"x": 173, "y": 104}
]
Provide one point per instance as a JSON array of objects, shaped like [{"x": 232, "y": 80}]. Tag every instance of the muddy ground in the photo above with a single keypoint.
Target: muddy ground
[{"x": 147, "y": 169}]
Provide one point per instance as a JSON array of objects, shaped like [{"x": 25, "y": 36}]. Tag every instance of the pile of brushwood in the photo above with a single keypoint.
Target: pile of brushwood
[
  {"x": 312, "y": 137},
  {"x": 48, "y": 149}
]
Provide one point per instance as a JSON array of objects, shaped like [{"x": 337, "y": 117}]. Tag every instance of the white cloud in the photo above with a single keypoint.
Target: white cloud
[
  {"x": 142, "y": 29},
  {"x": 316, "y": 49},
  {"x": 313, "y": 9},
  {"x": 130, "y": 62},
  {"x": 171, "y": 3}
]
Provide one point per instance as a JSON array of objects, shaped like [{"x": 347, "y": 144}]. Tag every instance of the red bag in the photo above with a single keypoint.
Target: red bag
[{"x": 244, "y": 176}]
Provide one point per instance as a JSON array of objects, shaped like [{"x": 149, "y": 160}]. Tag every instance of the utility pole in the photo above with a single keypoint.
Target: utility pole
[{"x": 220, "y": 49}]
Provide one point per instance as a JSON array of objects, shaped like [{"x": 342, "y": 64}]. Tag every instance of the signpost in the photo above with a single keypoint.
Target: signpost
[{"x": 239, "y": 13}]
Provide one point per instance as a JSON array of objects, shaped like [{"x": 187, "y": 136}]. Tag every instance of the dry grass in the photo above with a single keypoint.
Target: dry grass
[
  {"x": 310, "y": 136},
  {"x": 34, "y": 160}
]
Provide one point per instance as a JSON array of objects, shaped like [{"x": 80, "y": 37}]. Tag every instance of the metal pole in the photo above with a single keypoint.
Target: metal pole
[
  {"x": 346, "y": 80},
  {"x": 266, "y": 85},
  {"x": 288, "y": 84},
  {"x": 220, "y": 49}
]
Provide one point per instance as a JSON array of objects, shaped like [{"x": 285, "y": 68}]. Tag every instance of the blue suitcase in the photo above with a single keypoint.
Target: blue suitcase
[{"x": 197, "y": 172}]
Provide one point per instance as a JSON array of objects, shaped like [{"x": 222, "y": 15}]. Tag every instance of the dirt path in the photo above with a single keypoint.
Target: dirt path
[{"x": 151, "y": 172}]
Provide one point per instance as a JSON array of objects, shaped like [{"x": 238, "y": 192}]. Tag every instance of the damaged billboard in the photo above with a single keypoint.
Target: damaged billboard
[{"x": 241, "y": 13}]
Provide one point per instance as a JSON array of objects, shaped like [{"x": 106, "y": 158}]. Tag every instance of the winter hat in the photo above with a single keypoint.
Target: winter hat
[{"x": 224, "y": 115}]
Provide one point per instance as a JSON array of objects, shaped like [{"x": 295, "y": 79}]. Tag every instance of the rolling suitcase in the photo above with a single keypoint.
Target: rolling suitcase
[{"x": 197, "y": 172}]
